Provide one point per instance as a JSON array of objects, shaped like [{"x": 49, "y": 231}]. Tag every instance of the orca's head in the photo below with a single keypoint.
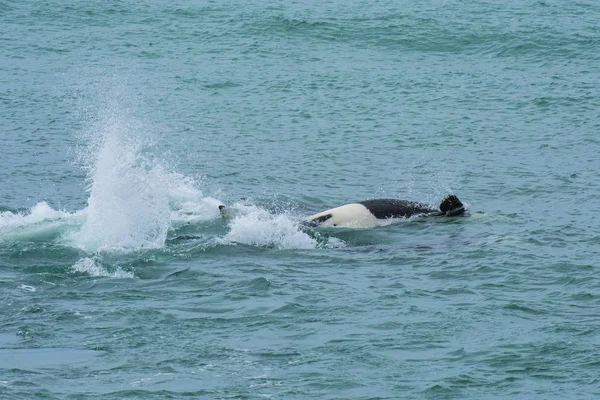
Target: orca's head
[{"x": 451, "y": 206}]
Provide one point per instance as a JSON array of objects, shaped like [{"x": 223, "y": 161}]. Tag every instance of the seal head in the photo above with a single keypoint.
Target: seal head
[{"x": 452, "y": 206}]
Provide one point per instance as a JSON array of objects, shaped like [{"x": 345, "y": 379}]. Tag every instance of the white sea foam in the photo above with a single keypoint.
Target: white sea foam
[
  {"x": 256, "y": 226},
  {"x": 41, "y": 221},
  {"x": 187, "y": 202},
  {"x": 39, "y": 213},
  {"x": 27, "y": 288},
  {"x": 94, "y": 267}
]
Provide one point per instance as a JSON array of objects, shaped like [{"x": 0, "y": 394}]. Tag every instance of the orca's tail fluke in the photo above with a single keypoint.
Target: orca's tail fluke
[{"x": 452, "y": 206}]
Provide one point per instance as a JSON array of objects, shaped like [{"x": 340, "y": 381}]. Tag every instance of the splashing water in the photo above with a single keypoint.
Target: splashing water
[
  {"x": 256, "y": 226},
  {"x": 93, "y": 267},
  {"x": 128, "y": 207},
  {"x": 133, "y": 197},
  {"x": 134, "y": 201}
]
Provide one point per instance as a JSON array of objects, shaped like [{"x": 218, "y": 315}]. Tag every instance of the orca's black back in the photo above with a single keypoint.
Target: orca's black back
[{"x": 392, "y": 208}]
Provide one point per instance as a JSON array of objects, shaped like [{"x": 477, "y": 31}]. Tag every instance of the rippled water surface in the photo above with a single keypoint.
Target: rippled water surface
[{"x": 124, "y": 125}]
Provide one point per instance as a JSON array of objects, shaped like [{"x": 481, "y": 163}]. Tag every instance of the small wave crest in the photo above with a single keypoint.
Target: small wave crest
[
  {"x": 94, "y": 267},
  {"x": 38, "y": 213},
  {"x": 41, "y": 220}
]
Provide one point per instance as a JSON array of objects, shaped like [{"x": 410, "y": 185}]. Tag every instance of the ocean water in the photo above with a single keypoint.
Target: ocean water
[{"x": 123, "y": 126}]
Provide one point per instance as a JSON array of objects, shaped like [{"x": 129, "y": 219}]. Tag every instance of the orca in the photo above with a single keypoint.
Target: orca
[{"x": 376, "y": 212}]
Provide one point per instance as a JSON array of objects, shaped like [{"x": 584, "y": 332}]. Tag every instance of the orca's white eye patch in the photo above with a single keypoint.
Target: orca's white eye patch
[{"x": 349, "y": 216}]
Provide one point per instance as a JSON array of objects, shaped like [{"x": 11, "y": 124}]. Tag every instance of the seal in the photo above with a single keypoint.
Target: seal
[
  {"x": 225, "y": 212},
  {"x": 373, "y": 213}
]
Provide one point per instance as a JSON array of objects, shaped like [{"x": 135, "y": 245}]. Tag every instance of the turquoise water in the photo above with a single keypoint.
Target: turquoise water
[{"x": 124, "y": 125}]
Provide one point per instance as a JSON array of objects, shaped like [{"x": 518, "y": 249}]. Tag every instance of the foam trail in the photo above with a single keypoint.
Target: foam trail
[{"x": 255, "y": 226}]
